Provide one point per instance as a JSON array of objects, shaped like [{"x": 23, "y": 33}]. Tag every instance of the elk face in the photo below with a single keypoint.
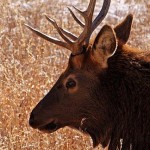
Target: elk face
[
  {"x": 66, "y": 103},
  {"x": 79, "y": 98},
  {"x": 74, "y": 100}
]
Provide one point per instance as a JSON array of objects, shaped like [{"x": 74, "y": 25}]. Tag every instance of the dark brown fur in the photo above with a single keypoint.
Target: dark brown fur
[{"x": 104, "y": 92}]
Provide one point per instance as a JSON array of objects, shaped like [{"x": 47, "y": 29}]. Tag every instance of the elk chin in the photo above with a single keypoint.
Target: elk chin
[
  {"x": 98, "y": 134},
  {"x": 50, "y": 127},
  {"x": 97, "y": 138}
]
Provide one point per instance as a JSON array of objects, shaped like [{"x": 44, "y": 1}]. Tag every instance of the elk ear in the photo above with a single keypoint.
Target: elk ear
[
  {"x": 104, "y": 45},
  {"x": 123, "y": 29}
]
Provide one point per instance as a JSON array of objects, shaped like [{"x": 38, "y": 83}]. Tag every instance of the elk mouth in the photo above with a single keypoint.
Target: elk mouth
[{"x": 50, "y": 127}]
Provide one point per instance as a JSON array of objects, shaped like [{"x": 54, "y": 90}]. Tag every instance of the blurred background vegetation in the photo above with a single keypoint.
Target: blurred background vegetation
[{"x": 29, "y": 65}]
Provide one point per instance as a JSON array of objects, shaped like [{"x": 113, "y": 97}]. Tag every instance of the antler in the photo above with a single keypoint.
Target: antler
[{"x": 72, "y": 42}]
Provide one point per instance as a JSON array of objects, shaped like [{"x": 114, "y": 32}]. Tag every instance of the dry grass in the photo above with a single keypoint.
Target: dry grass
[{"x": 29, "y": 66}]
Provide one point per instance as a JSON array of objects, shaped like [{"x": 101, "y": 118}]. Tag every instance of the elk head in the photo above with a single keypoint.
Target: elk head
[{"x": 78, "y": 99}]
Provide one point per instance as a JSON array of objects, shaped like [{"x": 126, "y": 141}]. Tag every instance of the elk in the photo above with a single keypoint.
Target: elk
[{"x": 104, "y": 91}]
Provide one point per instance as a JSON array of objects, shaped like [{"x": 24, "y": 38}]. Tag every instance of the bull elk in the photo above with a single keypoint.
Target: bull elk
[{"x": 105, "y": 90}]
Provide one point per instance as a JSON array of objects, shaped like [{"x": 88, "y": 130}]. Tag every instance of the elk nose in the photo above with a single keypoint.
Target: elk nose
[{"x": 32, "y": 121}]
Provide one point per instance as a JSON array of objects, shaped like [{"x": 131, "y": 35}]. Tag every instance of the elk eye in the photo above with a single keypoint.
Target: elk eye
[{"x": 70, "y": 84}]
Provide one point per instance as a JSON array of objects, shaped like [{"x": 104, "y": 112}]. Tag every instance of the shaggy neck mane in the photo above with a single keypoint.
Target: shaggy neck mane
[{"x": 128, "y": 81}]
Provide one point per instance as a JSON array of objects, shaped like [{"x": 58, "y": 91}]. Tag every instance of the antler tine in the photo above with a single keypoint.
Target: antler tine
[
  {"x": 49, "y": 38},
  {"x": 69, "y": 34},
  {"x": 88, "y": 15},
  {"x": 82, "y": 13},
  {"x": 53, "y": 22},
  {"x": 90, "y": 8},
  {"x": 99, "y": 18},
  {"x": 101, "y": 15},
  {"x": 75, "y": 18}
]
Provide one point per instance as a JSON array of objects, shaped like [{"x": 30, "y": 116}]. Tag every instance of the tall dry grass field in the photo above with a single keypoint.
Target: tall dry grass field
[{"x": 29, "y": 66}]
